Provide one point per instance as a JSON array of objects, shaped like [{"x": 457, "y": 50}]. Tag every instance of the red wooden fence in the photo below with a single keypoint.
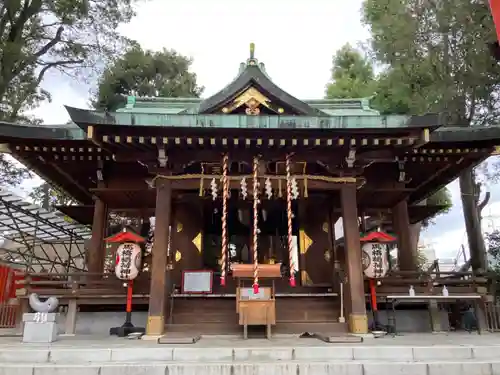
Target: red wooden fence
[{"x": 8, "y": 305}]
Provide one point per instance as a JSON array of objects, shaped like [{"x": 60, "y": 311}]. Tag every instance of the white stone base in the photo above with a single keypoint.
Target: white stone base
[
  {"x": 40, "y": 328},
  {"x": 151, "y": 337}
]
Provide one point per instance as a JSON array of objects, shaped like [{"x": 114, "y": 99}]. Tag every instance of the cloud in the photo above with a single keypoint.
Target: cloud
[{"x": 64, "y": 91}]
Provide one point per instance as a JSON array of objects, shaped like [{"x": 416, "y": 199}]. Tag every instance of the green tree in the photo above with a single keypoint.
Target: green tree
[
  {"x": 11, "y": 172},
  {"x": 351, "y": 75},
  {"x": 493, "y": 244},
  {"x": 493, "y": 241},
  {"x": 146, "y": 73},
  {"x": 48, "y": 197},
  {"x": 422, "y": 261},
  {"x": 440, "y": 50},
  {"x": 442, "y": 198},
  {"x": 37, "y": 36}
]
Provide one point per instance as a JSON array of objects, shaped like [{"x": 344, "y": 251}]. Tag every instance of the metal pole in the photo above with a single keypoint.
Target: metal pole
[{"x": 32, "y": 250}]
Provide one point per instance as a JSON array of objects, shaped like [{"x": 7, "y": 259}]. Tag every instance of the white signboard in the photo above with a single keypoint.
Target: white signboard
[
  {"x": 197, "y": 282},
  {"x": 248, "y": 294}
]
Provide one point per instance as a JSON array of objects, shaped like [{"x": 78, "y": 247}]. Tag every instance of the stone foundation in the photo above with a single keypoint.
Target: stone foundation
[{"x": 100, "y": 322}]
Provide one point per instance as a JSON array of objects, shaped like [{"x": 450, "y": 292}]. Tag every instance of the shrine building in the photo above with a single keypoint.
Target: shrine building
[{"x": 250, "y": 176}]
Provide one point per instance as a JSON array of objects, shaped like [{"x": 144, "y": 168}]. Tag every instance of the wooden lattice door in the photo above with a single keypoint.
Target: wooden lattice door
[
  {"x": 186, "y": 240},
  {"x": 315, "y": 245}
]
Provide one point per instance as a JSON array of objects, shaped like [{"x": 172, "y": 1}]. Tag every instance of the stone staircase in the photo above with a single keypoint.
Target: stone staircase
[{"x": 258, "y": 357}]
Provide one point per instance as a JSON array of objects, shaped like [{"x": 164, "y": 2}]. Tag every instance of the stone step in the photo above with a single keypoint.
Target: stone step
[
  {"x": 148, "y": 351},
  {"x": 463, "y": 367}
]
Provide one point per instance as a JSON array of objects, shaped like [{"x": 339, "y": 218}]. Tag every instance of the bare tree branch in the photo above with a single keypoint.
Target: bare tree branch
[
  {"x": 481, "y": 205},
  {"x": 54, "y": 64}
]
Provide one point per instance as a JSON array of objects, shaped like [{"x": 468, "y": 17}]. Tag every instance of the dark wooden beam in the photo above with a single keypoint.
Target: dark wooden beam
[
  {"x": 424, "y": 138},
  {"x": 70, "y": 179},
  {"x": 185, "y": 157}
]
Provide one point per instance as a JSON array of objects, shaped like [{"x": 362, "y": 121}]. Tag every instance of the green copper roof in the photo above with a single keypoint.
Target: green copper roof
[
  {"x": 84, "y": 117},
  {"x": 329, "y": 107},
  {"x": 72, "y": 132},
  {"x": 251, "y": 73}
]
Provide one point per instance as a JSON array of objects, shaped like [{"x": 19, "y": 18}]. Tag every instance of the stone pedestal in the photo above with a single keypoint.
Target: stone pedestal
[
  {"x": 435, "y": 316},
  {"x": 40, "y": 327}
]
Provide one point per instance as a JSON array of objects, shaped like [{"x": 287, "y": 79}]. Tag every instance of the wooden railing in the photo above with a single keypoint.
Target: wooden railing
[
  {"x": 492, "y": 312},
  {"x": 432, "y": 282},
  {"x": 75, "y": 289},
  {"x": 106, "y": 286},
  {"x": 79, "y": 285}
]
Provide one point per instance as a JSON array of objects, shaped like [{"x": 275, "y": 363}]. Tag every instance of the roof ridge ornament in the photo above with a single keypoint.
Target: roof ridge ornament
[{"x": 252, "y": 60}]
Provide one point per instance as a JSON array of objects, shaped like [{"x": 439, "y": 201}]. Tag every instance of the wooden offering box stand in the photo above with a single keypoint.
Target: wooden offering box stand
[{"x": 256, "y": 309}]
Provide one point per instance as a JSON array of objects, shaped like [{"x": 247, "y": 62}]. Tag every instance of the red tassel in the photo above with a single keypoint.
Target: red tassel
[
  {"x": 222, "y": 281},
  {"x": 255, "y": 288},
  {"x": 292, "y": 282}
]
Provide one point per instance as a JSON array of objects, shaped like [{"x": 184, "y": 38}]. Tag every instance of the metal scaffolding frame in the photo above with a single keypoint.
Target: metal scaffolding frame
[{"x": 37, "y": 239}]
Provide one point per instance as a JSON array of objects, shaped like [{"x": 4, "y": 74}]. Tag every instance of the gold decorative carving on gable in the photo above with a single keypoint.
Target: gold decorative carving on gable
[
  {"x": 305, "y": 278},
  {"x": 197, "y": 242},
  {"x": 252, "y": 99},
  {"x": 178, "y": 256},
  {"x": 305, "y": 241},
  {"x": 325, "y": 227}
]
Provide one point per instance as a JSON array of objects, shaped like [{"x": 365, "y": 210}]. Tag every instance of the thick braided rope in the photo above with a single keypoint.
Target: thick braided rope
[
  {"x": 289, "y": 219},
  {"x": 225, "y": 196},
  {"x": 255, "y": 226}
]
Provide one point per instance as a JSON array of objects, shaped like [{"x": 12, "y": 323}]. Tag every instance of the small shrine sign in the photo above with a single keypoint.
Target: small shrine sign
[{"x": 197, "y": 282}]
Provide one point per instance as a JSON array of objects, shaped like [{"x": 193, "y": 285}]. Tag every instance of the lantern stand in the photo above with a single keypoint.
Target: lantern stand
[
  {"x": 375, "y": 237},
  {"x": 127, "y": 238}
]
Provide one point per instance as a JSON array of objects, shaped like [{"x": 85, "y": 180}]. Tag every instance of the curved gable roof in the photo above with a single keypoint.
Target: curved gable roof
[{"x": 252, "y": 74}]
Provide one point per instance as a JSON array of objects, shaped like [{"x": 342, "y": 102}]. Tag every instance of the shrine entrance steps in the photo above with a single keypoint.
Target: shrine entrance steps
[
  {"x": 217, "y": 316},
  {"x": 279, "y": 356}
]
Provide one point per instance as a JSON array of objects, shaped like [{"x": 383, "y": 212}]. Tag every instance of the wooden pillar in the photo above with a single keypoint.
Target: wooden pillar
[
  {"x": 71, "y": 313},
  {"x": 407, "y": 258},
  {"x": 333, "y": 248},
  {"x": 160, "y": 277},
  {"x": 355, "y": 301},
  {"x": 97, "y": 250}
]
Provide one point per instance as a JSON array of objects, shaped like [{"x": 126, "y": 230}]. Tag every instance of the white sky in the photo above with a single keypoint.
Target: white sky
[{"x": 296, "y": 39}]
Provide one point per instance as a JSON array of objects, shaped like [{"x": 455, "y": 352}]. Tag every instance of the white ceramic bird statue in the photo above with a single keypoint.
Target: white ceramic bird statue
[{"x": 48, "y": 306}]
